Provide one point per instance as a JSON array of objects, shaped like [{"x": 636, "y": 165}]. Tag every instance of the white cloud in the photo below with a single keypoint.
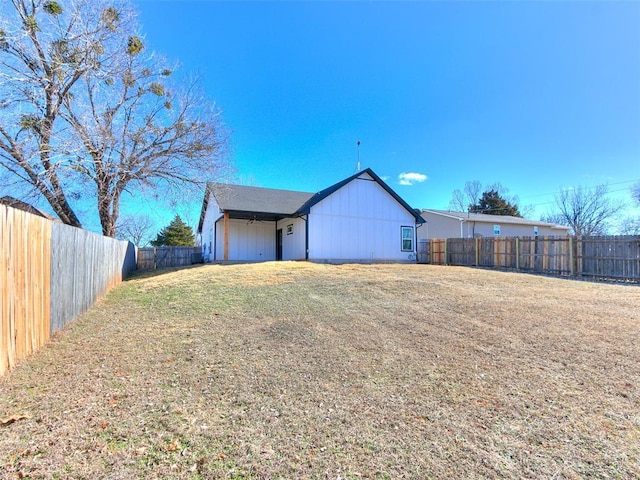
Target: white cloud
[{"x": 411, "y": 178}]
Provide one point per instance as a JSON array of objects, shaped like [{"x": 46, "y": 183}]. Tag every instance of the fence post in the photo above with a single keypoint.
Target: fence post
[
  {"x": 446, "y": 245},
  {"x": 517, "y": 253},
  {"x": 579, "y": 255},
  {"x": 477, "y": 242},
  {"x": 572, "y": 270}
]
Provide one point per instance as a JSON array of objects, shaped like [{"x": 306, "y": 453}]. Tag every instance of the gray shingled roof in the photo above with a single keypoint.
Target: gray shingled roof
[
  {"x": 27, "y": 207},
  {"x": 483, "y": 217},
  {"x": 271, "y": 204},
  {"x": 255, "y": 200}
]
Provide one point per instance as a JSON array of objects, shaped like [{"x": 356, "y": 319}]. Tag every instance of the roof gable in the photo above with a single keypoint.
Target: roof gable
[
  {"x": 269, "y": 203},
  {"x": 321, "y": 195}
]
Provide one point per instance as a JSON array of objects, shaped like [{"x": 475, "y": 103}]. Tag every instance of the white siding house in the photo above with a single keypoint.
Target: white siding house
[
  {"x": 360, "y": 219},
  {"x": 293, "y": 238},
  {"x": 447, "y": 224},
  {"x": 360, "y": 222}
]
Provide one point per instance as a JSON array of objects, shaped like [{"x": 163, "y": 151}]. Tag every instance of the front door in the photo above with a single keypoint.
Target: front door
[{"x": 279, "y": 244}]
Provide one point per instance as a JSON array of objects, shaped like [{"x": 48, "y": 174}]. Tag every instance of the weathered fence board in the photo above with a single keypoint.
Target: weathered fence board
[
  {"x": 165, "y": 257},
  {"x": 610, "y": 257},
  {"x": 616, "y": 258},
  {"x": 49, "y": 274},
  {"x": 84, "y": 267}
]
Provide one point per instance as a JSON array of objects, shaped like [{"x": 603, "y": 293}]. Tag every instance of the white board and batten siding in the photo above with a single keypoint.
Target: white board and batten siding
[
  {"x": 359, "y": 222},
  {"x": 211, "y": 215},
  {"x": 249, "y": 241},
  {"x": 293, "y": 238}
]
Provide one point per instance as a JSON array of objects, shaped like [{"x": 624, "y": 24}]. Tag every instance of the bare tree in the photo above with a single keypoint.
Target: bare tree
[
  {"x": 138, "y": 229},
  {"x": 629, "y": 226},
  {"x": 588, "y": 211},
  {"x": 462, "y": 199},
  {"x": 469, "y": 197},
  {"x": 144, "y": 136},
  {"x": 115, "y": 126},
  {"x": 43, "y": 55}
]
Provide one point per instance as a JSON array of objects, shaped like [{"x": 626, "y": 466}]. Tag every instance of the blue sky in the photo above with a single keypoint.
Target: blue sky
[{"x": 535, "y": 95}]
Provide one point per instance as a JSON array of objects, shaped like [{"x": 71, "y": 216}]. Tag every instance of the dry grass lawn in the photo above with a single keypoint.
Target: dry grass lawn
[{"x": 297, "y": 370}]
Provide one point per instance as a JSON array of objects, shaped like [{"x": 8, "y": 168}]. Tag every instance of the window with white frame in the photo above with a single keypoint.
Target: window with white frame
[{"x": 407, "y": 239}]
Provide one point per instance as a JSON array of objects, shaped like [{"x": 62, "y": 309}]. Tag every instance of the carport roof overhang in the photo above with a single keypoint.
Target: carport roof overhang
[{"x": 258, "y": 216}]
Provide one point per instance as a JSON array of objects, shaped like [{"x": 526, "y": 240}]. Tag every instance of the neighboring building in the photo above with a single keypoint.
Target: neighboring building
[
  {"x": 27, "y": 207},
  {"x": 446, "y": 224},
  {"x": 360, "y": 219}
]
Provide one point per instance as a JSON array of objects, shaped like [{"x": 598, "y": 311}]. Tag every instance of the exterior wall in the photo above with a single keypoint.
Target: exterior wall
[
  {"x": 441, "y": 226},
  {"x": 211, "y": 215},
  {"x": 293, "y": 243},
  {"x": 507, "y": 230},
  {"x": 359, "y": 222},
  {"x": 248, "y": 241}
]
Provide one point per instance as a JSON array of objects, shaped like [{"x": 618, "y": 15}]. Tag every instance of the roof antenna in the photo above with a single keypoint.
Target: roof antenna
[{"x": 358, "y": 152}]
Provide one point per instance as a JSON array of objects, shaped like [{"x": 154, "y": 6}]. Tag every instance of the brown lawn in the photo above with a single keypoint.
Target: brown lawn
[{"x": 297, "y": 370}]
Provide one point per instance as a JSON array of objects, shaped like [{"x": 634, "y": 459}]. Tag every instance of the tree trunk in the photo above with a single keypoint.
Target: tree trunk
[
  {"x": 59, "y": 203},
  {"x": 62, "y": 208},
  {"x": 108, "y": 209}
]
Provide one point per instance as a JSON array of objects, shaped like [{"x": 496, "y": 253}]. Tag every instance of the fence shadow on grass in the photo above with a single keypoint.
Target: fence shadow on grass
[{"x": 139, "y": 274}]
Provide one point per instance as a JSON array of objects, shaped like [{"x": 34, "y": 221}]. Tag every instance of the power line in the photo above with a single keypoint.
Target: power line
[
  {"x": 520, "y": 205},
  {"x": 587, "y": 188}
]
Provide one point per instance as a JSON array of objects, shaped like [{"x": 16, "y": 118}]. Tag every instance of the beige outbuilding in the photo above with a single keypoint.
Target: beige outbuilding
[{"x": 447, "y": 224}]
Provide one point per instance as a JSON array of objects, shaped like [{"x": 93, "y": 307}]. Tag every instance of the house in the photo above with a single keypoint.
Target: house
[
  {"x": 446, "y": 224},
  {"x": 360, "y": 219}
]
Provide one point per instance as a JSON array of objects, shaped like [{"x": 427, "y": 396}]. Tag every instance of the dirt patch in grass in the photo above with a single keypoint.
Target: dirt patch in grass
[{"x": 297, "y": 370}]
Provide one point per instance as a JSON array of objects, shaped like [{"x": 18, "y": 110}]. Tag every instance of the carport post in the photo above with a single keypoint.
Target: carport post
[{"x": 226, "y": 236}]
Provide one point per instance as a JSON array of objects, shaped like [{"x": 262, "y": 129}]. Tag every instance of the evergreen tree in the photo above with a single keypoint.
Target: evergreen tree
[
  {"x": 177, "y": 233},
  {"x": 492, "y": 203}
]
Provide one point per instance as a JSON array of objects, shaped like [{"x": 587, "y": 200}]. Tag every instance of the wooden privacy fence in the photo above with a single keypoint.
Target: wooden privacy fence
[
  {"x": 164, "y": 257},
  {"x": 84, "y": 266},
  {"x": 607, "y": 257},
  {"x": 25, "y": 272},
  {"x": 49, "y": 274}
]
